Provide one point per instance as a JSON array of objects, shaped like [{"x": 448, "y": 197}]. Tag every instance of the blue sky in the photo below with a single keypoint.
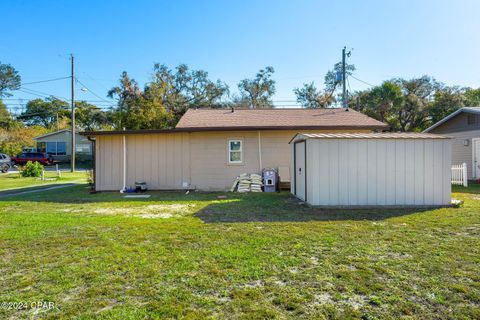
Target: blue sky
[{"x": 232, "y": 40}]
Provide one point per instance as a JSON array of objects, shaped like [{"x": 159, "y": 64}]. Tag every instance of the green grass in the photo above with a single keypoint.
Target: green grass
[
  {"x": 15, "y": 180},
  {"x": 249, "y": 256}
]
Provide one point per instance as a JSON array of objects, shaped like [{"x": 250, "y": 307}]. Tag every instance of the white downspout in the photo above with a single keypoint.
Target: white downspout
[
  {"x": 124, "y": 164},
  {"x": 260, "y": 151}
]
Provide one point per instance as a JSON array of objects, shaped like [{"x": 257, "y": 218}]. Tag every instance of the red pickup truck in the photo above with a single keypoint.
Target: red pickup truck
[{"x": 23, "y": 158}]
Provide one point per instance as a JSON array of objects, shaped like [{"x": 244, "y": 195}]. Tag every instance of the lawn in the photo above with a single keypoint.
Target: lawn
[
  {"x": 15, "y": 180},
  {"x": 249, "y": 256}
]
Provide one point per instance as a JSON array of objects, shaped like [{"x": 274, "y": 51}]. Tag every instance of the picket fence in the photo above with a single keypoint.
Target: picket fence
[{"x": 459, "y": 174}]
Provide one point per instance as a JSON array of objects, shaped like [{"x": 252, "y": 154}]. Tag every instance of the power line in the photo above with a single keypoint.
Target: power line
[
  {"x": 40, "y": 93},
  {"x": 96, "y": 95},
  {"x": 371, "y": 85},
  {"x": 27, "y": 99},
  {"x": 42, "y": 81},
  {"x": 33, "y": 94}
]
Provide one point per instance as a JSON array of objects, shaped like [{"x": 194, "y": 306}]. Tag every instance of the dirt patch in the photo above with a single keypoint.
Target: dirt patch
[
  {"x": 323, "y": 298},
  {"x": 155, "y": 215},
  {"x": 152, "y": 211}
]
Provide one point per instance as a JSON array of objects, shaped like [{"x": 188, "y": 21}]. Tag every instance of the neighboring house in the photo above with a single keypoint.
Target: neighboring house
[
  {"x": 58, "y": 144},
  {"x": 464, "y": 126},
  {"x": 209, "y": 148}
]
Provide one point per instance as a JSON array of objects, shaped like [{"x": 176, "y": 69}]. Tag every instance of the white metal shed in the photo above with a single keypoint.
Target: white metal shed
[{"x": 371, "y": 169}]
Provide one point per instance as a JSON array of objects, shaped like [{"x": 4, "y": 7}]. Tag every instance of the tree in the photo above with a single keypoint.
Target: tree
[
  {"x": 90, "y": 117},
  {"x": 472, "y": 97},
  {"x": 183, "y": 88},
  {"x": 45, "y": 112},
  {"x": 259, "y": 91},
  {"x": 406, "y": 105},
  {"x": 138, "y": 110},
  {"x": 412, "y": 114},
  {"x": 310, "y": 97},
  {"x": 165, "y": 99},
  {"x": 6, "y": 120},
  {"x": 331, "y": 81},
  {"x": 9, "y": 79},
  {"x": 13, "y": 141},
  {"x": 446, "y": 100},
  {"x": 379, "y": 102}
]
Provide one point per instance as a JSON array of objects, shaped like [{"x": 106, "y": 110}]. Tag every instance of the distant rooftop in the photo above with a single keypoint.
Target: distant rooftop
[{"x": 453, "y": 114}]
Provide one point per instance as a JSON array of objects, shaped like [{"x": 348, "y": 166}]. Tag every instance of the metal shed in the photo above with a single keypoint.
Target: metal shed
[{"x": 371, "y": 169}]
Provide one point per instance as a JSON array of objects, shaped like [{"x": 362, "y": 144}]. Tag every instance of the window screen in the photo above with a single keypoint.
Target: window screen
[{"x": 235, "y": 151}]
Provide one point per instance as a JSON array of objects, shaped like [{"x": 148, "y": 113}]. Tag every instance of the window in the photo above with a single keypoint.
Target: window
[
  {"x": 55, "y": 148},
  {"x": 52, "y": 148},
  {"x": 83, "y": 148},
  {"x": 61, "y": 148},
  {"x": 235, "y": 151},
  {"x": 41, "y": 147}
]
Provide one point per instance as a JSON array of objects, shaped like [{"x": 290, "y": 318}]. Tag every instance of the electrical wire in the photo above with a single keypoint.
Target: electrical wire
[
  {"x": 42, "y": 81},
  {"x": 41, "y": 94},
  {"x": 371, "y": 85},
  {"x": 96, "y": 95}
]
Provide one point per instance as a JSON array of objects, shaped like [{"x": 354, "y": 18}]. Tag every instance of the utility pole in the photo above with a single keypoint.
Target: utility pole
[
  {"x": 344, "y": 77},
  {"x": 344, "y": 80},
  {"x": 72, "y": 157}
]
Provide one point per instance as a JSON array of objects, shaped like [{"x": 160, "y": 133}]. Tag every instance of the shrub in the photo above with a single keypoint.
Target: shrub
[
  {"x": 90, "y": 177},
  {"x": 32, "y": 169}
]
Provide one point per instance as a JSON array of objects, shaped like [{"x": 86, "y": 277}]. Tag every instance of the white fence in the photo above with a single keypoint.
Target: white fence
[{"x": 459, "y": 174}]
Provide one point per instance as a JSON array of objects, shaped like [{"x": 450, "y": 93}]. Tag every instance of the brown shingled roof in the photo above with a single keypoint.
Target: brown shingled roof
[{"x": 287, "y": 119}]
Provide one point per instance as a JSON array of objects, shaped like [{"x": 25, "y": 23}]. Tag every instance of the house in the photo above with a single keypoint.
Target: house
[
  {"x": 209, "y": 148},
  {"x": 58, "y": 144},
  {"x": 371, "y": 169},
  {"x": 463, "y": 126}
]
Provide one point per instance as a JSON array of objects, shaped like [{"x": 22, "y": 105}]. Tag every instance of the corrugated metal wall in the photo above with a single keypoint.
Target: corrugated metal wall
[{"x": 364, "y": 172}]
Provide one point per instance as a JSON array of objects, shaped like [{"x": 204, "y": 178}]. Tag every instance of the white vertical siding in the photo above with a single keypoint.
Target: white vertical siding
[
  {"x": 410, "y": 172},
  {"x": 381, "y": 184},
  {"x": 358, "y": 172},
  {"x": 333, "y": 171}
]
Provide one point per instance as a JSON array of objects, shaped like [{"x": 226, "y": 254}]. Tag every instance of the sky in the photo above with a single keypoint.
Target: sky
[{"x": 232, "y": 40}]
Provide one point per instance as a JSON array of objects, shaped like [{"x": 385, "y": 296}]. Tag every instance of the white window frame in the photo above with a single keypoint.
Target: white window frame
[{"x": 230, "y": 151}]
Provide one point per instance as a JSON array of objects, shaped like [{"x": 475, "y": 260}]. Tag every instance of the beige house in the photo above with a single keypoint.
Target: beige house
[
  {"x": 463, "y": 126},
  {"x": 210, "y": 147},
  {"x": 58, "y": 144}
]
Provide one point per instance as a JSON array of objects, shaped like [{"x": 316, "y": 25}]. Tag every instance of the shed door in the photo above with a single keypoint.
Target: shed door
[{"x": 300, "y": 170}]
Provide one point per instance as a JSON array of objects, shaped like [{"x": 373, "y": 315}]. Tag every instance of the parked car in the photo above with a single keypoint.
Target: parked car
[
  {"x": 5, "y": 163},
  {"x": 41, "y": 157}
]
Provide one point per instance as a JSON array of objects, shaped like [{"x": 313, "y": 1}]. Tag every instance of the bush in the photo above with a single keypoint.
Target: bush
[{"x": 32, "y": 169}]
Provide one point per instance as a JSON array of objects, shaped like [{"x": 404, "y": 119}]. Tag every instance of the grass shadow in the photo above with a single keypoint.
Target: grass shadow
[
  {"x": 219, "y": 207},
  {"x": 291, "y": 210},
  {"x": 473, "y": 188},
  {"x": 34, "y": 189}
]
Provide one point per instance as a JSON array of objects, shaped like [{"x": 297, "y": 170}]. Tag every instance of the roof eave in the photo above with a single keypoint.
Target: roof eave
[
  {"x": 450, "y": 116},
  {"x": 237, "y": 128},
  {"x": 50, "y": 134}
]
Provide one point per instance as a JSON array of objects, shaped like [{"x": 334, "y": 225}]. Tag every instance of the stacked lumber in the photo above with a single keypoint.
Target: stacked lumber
[{"x": 247, "y": 183}]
